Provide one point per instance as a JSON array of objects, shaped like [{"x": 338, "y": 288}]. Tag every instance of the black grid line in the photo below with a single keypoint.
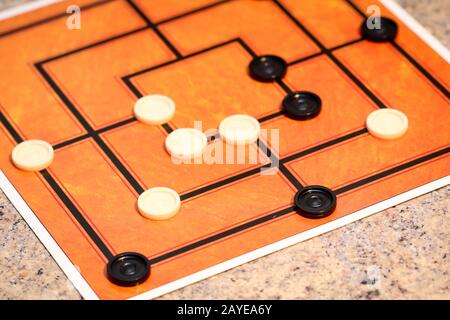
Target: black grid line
[
  {"x": 221, "y": 235},
  {"x": 154, "y": 28},
  {"x": 167, "y": 63},
  {"x": 391, "y": 171},
  {"x": 92, "y": 45},
  {"x": 94, "y": 134},
  {"x": 324, "y": 145},
  {"x": 189, "y": 13}
]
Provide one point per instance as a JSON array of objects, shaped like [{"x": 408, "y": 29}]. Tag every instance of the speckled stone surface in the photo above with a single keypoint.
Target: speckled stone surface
[{"x": 400, "y": 253}]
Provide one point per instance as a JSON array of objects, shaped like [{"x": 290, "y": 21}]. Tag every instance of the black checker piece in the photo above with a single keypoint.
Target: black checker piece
[
  {"x": 315, "y": 202},
  {"x": 387, "y": 30},
  {"x": 267, "y": 68},
  {"x": 128, "y": 269},
  {"x": 302, "y": 105}
]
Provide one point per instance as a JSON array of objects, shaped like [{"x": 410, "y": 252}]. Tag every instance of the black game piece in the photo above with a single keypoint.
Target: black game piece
[
  {"x": 315, "y": 202},
  {"x": 302, "y": 105},
  {"x": 267, "y": 68},
  {"x": 128, "y": 269},
  {"x": 387, "y": 31}
]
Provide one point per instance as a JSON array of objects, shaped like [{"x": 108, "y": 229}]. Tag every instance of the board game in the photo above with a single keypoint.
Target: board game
[{"x": 75, "y": 88}]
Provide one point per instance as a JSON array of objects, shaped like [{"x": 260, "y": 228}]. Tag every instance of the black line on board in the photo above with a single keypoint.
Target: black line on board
[
  {"x": 167, "y": 63},
  {"x": 303, "y": 59},
  {"x": 117, "y": 125},
  {"x": 274, "y": 160},
  {"x": 391, "y": 171},
  {"x": 151, "y": 25},
  {"x": 347, "y": 44},
  {"x": 51, "y": 18},
  {"x": 222, "y": 235},
  {"x": 139, "y": 12},
  {"x": 292, "y": 179},
  {"x": 284, "y": 86},
  {"x": 246, "y": 47},
  {"x": 270, "y": 116},
  {"x": 132, "y": 88},
  {"x": 119, "y": 165},
  {"x": 221, "y": 183},
  {"x": 408, "y": 57},
  {"x": 358, "y": 10},
  {"x": 98, "y": 131},
  {"x": 77, "y": 214},
  {"x": 421, "y": 69},
  {"x": 71, "y": 141},
  {"x": 167, "y": 127},
  {"x": 95, "y": 44},
  {"x": 13, "y": 132},
  {"x": 324, "y": 145},
  {"x": 63, "y": 98},
  {"x": 320, "y": 53},
  {"x": 128, "y": 176},
  {"x": 209, "y": 6}
]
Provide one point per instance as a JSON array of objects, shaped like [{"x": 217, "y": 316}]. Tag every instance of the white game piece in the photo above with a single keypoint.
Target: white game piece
[
  {"x": 32, "y": 155},
  {"x": 154, "y": 109},
  {"x": 239, "y": 129},
  {"x": 387, "y": 123},
  {"x": 186, "y": 143},
  {"x": 159, "y": 203}
]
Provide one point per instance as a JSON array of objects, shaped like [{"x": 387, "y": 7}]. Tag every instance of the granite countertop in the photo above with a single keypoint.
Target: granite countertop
[{"x": 400, "y": 253}]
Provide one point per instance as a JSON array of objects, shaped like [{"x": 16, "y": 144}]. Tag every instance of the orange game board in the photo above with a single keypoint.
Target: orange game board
[{"x": 76, "y": 88}]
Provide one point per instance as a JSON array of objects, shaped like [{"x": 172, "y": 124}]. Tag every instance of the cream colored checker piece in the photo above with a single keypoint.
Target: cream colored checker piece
[
  {"x": 159, "y": 203},
  {"x": 154, "y": 109},
  {"x": 186, "y": 143},
  {"x": 32, "y": 155},
  {"x": 387, "y": 123},
  {"x": 239, "y": 129}
]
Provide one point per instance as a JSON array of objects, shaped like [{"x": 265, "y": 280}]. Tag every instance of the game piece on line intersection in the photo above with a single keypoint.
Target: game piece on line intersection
[
  {"x": 267, "y": 68},
  {"x": 128, "y": 269},
  {"x": 387, "y": 30},
  {"x": 239, "y": 129},
  {"x": 186, "y": 143},
  {"x": 154, "y": 109},
  {"x": 387, "y": 124},
  {"x": 159, "y": 203},
  {"x": 32, "y": 155},
  {"x": 302, "y": 105},
  {"x": 315, "y": 202}
]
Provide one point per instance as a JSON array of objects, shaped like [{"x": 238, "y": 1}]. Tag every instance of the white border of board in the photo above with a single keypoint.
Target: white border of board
[
  {"x": 24, "y": 8},
  {"x": 47, "y": 240},
  {"x": 87, "y": 292}
]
